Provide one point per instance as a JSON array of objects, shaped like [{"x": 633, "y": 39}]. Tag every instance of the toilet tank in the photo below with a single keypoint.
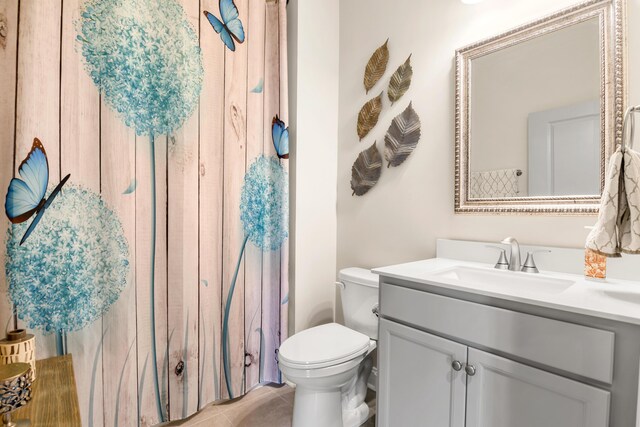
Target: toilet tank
[{"x": 359, "y": 292}]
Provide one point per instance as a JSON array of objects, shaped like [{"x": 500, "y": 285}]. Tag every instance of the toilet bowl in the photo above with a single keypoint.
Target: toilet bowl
[{"x": 330, "y": 364}]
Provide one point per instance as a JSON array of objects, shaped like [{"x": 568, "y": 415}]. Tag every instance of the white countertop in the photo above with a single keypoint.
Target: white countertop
[{"x": 612, "y": 299}]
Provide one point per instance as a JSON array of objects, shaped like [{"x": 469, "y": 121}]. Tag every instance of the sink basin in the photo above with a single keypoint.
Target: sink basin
[
  {"x": 625, "y": 296},
  {"x": 501, "y": 280}
]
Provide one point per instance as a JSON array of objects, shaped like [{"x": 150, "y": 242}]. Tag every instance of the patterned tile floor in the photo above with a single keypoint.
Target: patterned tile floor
[{"x": 267, "y": 406}]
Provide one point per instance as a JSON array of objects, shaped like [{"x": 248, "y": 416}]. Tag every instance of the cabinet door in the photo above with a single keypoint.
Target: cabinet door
[
  {"x": 504, "y": 393},
  {"x": 417, "y": 384}
]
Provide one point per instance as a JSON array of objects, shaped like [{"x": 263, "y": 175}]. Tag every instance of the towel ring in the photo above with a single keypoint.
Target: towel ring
[{"x": 629, "y": 118}]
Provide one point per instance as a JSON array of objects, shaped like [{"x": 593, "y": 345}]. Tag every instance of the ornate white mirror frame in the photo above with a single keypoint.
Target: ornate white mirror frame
[{"x": 611, "y": 18}]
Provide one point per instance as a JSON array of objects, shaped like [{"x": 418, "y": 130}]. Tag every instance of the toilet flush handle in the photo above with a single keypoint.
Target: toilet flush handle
[
  {"x": 376, "y": 310},
  {"x": 340, "y": 285}
]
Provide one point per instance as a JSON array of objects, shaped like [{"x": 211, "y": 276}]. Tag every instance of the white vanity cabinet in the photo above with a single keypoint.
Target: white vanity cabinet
[
  {"x": 426, "y": 380},
  {"x": 504, "y": 393},
  {"x": 416, "y": 384},
  {"x": 450, "y": 362}
]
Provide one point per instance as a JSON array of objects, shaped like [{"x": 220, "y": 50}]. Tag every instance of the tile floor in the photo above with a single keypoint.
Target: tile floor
[{"x": 268, "y": 406}]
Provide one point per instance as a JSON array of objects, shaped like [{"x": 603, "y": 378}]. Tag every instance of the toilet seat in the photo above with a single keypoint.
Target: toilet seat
[{"x": 323, "y": 346}]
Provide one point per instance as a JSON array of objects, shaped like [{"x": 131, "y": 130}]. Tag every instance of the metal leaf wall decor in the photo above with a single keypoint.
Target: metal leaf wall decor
[
  {"x": 376, "y": 66},
  {"x": 368, "y": 116},
  {"x": 366, "y": 170},
  {"x": 400, "y": 81},
  {"x": 402, "y": 137}
]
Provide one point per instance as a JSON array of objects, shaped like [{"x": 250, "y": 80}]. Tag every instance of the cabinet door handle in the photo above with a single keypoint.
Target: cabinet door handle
[
  {"x": 456, "y": 365},
  {"x": 470, "y": 370}
]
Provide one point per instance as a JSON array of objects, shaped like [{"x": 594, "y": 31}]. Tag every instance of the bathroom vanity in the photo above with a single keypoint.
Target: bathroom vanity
[{"x": 464, "y": 344}]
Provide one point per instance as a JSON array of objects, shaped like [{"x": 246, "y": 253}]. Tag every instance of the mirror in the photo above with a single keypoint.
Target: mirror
[{"x": 538, "y": 112}]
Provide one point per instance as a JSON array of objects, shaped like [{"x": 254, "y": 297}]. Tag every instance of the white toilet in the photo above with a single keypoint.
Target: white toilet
[{"x": 330, "y": 364}]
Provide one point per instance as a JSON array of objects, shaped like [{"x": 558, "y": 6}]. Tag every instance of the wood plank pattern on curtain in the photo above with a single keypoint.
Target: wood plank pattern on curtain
[{"x": 192, "y": 178}]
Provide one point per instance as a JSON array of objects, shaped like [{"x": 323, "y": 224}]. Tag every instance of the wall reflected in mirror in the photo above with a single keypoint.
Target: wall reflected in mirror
[{"x": 535, "y": 116}]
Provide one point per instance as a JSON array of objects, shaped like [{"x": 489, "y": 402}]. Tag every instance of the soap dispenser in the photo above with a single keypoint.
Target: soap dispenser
[{"x": 595, "y": 265}]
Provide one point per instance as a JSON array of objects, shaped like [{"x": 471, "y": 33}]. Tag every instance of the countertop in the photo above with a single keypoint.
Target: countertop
[{"x": 612, "y": 299}]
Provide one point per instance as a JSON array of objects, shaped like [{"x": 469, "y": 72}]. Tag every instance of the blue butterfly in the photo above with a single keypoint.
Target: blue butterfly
[
  {"x": 230, "y": 28},
  {"x": 280, "y": 136},
  {"x": 26, "y": 196}
]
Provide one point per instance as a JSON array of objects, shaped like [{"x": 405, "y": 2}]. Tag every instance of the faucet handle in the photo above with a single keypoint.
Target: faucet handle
[
  {"x": 529, "y": 265},
  {"x": 502, "y": 263}
]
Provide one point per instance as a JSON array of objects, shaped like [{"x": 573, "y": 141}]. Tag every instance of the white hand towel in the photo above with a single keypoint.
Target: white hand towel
[
  {"x": 494, "y": 184},
  {"x": 618, "y": 228},
  {"x": 629, "y": 228}
]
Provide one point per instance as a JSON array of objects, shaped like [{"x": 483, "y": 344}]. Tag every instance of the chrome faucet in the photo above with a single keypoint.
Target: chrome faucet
[{"x": 514, "y": 257}]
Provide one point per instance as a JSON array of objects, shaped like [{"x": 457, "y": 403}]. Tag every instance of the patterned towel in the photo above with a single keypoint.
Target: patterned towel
[
  {"x": 494, "y": 184},
  {"x": 618, "y": 228}
]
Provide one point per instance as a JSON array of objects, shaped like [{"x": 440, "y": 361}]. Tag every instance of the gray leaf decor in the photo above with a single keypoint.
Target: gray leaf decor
[
  {"x": 402, "y": 137},
  {"x": 368, "y": 116},
  {"x": 366, "y": 170},
  {"x": 376, "y": 66},
  {"x": 400, "y": 81}
]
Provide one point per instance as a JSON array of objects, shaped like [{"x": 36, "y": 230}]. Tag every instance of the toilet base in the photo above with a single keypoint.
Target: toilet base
[
  {"x": 314, "y": 408},
  {"x": 334, "y": 401},
  {"x": 356, "y": 417},
  {"x": 355, "y": 410}
]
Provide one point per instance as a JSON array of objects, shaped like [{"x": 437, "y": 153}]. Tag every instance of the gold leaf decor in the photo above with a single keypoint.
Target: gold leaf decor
[
  {"x": 366, "y": 170},
  {"x": 402, "y": 137},
  {"x": 368, "y": 116},
  {"x": 400, "y": 81},
  {"x": 376, "y": 66}
]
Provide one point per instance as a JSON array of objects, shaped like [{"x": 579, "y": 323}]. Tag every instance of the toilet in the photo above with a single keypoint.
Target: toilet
[{"x": 330, "y": 364}]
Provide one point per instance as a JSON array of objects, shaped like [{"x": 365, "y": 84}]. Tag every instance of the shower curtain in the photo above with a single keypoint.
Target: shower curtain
[{"x": 161, "y": 265}]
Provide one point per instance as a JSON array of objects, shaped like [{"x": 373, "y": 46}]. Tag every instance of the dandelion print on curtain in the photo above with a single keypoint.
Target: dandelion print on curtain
[{"x": 145, "y": 173}]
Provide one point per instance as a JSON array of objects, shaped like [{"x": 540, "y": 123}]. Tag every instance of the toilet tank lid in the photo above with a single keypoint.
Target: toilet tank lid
[{"x": 361, "y": 276}]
